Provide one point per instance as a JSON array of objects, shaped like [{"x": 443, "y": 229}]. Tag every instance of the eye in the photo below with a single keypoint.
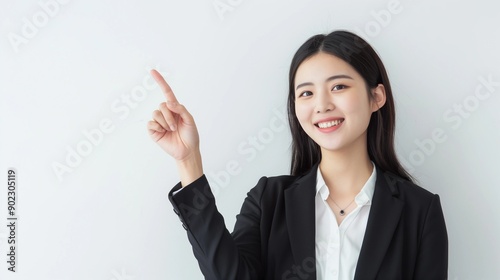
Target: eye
[
  {"x": 339, "y": 87},
  {"x": 305, "y": 94}
]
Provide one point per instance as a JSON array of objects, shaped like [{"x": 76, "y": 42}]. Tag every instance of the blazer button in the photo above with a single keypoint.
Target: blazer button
[
  {"x": 185, "y": 227},
  {"x": 176, "y": 212}
]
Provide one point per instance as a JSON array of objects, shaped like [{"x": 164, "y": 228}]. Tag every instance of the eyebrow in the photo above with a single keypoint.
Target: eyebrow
[{"x": 327, "y": 80}]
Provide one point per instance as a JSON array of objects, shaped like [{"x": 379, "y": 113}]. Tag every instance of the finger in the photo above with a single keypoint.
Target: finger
[
  {"x": 169, "y": 94},
  {"x": 168, "y": 116},
  {"x": 179, "y": 109},
  {"x": 154, "y": 127},
  {"x": 158, "y": 117}
]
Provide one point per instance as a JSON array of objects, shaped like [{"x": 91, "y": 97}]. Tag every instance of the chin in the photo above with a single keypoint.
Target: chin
[{"x": 331, "y": 147}]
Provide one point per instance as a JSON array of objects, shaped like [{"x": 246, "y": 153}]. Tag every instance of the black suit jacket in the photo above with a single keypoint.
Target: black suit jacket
[{"x": 274, "y": 235}]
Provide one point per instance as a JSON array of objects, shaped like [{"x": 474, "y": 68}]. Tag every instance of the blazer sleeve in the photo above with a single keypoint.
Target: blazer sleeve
[
  {"x": 432, "y": 258},
  {"x": 221, "y": 255}
]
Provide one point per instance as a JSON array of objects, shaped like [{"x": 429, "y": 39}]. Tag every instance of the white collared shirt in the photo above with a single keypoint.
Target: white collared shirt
[{"x": 338, "y": 246}]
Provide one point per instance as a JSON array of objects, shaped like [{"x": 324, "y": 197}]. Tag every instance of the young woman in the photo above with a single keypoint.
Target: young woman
[{"x": 348, "y": 210}]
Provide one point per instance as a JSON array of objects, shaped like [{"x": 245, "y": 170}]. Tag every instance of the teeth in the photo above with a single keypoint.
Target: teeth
[{"x": 330, "y": 124}]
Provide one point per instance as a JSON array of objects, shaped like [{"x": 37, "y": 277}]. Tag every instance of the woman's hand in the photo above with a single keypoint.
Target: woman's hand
[{"x": 174, "y": 130}]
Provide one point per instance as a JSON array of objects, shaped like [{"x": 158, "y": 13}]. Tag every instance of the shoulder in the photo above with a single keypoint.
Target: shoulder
[
  {"x": 275, "y": 183},
  {"x": 281, "y": 181},
  {"x": 273, "y": 188},
  {"x": 409, "y": 192}
]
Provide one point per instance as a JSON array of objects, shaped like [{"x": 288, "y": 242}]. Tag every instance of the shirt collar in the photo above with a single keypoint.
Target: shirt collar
[{"x": 365, "y": 195}]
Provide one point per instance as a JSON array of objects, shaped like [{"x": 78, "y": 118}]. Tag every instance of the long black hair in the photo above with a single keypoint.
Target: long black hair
[{"x": 363, "y": 58}]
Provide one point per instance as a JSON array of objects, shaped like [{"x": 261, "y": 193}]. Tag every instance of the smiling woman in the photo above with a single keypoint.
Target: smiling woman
[{"x": 348, "y": 210}]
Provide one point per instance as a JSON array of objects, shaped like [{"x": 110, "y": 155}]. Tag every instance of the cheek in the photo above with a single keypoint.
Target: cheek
[
  {"x": 302, "y": 112},
  {"x": 358, "y": 105}
]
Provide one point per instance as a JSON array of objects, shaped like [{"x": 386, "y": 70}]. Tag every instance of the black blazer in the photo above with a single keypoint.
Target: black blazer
[{"x": 274, "y": 235}]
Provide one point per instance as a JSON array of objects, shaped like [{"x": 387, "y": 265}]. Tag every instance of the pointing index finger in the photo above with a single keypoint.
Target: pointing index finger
[{"x": 169, "y": 94}]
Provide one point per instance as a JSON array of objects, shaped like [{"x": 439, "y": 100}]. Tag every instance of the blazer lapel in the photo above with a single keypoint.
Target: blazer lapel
[
  {"x": 300, "y": 217},
  {"x": 384, "y": 216}
]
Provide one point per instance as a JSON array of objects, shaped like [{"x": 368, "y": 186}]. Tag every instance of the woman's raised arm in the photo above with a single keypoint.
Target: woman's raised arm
[{"x": 174, "y": 130}]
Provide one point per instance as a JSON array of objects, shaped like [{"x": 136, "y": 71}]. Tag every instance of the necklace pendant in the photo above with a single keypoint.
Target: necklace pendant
[{"x": 342, "y": 212}]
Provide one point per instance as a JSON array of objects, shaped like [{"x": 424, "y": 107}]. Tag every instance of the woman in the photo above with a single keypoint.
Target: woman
[{"x": 348, "y": 210}]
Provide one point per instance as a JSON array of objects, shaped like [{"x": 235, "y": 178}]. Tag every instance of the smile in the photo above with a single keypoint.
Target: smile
[{"x": 329, "y": 123}]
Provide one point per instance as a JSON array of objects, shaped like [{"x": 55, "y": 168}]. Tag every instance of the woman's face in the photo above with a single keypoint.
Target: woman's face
[{"x": 332, "y": 103}]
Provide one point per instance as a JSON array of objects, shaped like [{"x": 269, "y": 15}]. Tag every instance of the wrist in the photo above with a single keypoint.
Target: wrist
[{"x": 190, "y": 169}]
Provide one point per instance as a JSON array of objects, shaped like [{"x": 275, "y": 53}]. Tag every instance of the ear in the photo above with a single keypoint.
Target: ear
[{"x": 379, "y": 97}]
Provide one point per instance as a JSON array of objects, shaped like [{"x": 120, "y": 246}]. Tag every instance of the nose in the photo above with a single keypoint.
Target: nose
[{"x": 324, "y": 103}]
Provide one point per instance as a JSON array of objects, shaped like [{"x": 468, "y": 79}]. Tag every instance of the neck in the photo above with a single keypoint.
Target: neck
[{"x": 346, "y": 171}]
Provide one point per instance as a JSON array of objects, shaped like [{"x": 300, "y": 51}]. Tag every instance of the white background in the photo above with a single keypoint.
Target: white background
[{"x": 65, "y": 67}]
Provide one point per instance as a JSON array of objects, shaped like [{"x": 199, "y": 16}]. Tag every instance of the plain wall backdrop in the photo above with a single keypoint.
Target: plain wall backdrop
[{"x": 75, "y": 97}]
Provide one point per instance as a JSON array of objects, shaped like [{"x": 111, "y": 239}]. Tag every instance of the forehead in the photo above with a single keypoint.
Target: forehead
[{"x": 322, "y": 65}]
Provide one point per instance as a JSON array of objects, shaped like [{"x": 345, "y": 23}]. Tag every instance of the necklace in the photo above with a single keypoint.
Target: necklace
[{"x": 342, "y": 211}]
